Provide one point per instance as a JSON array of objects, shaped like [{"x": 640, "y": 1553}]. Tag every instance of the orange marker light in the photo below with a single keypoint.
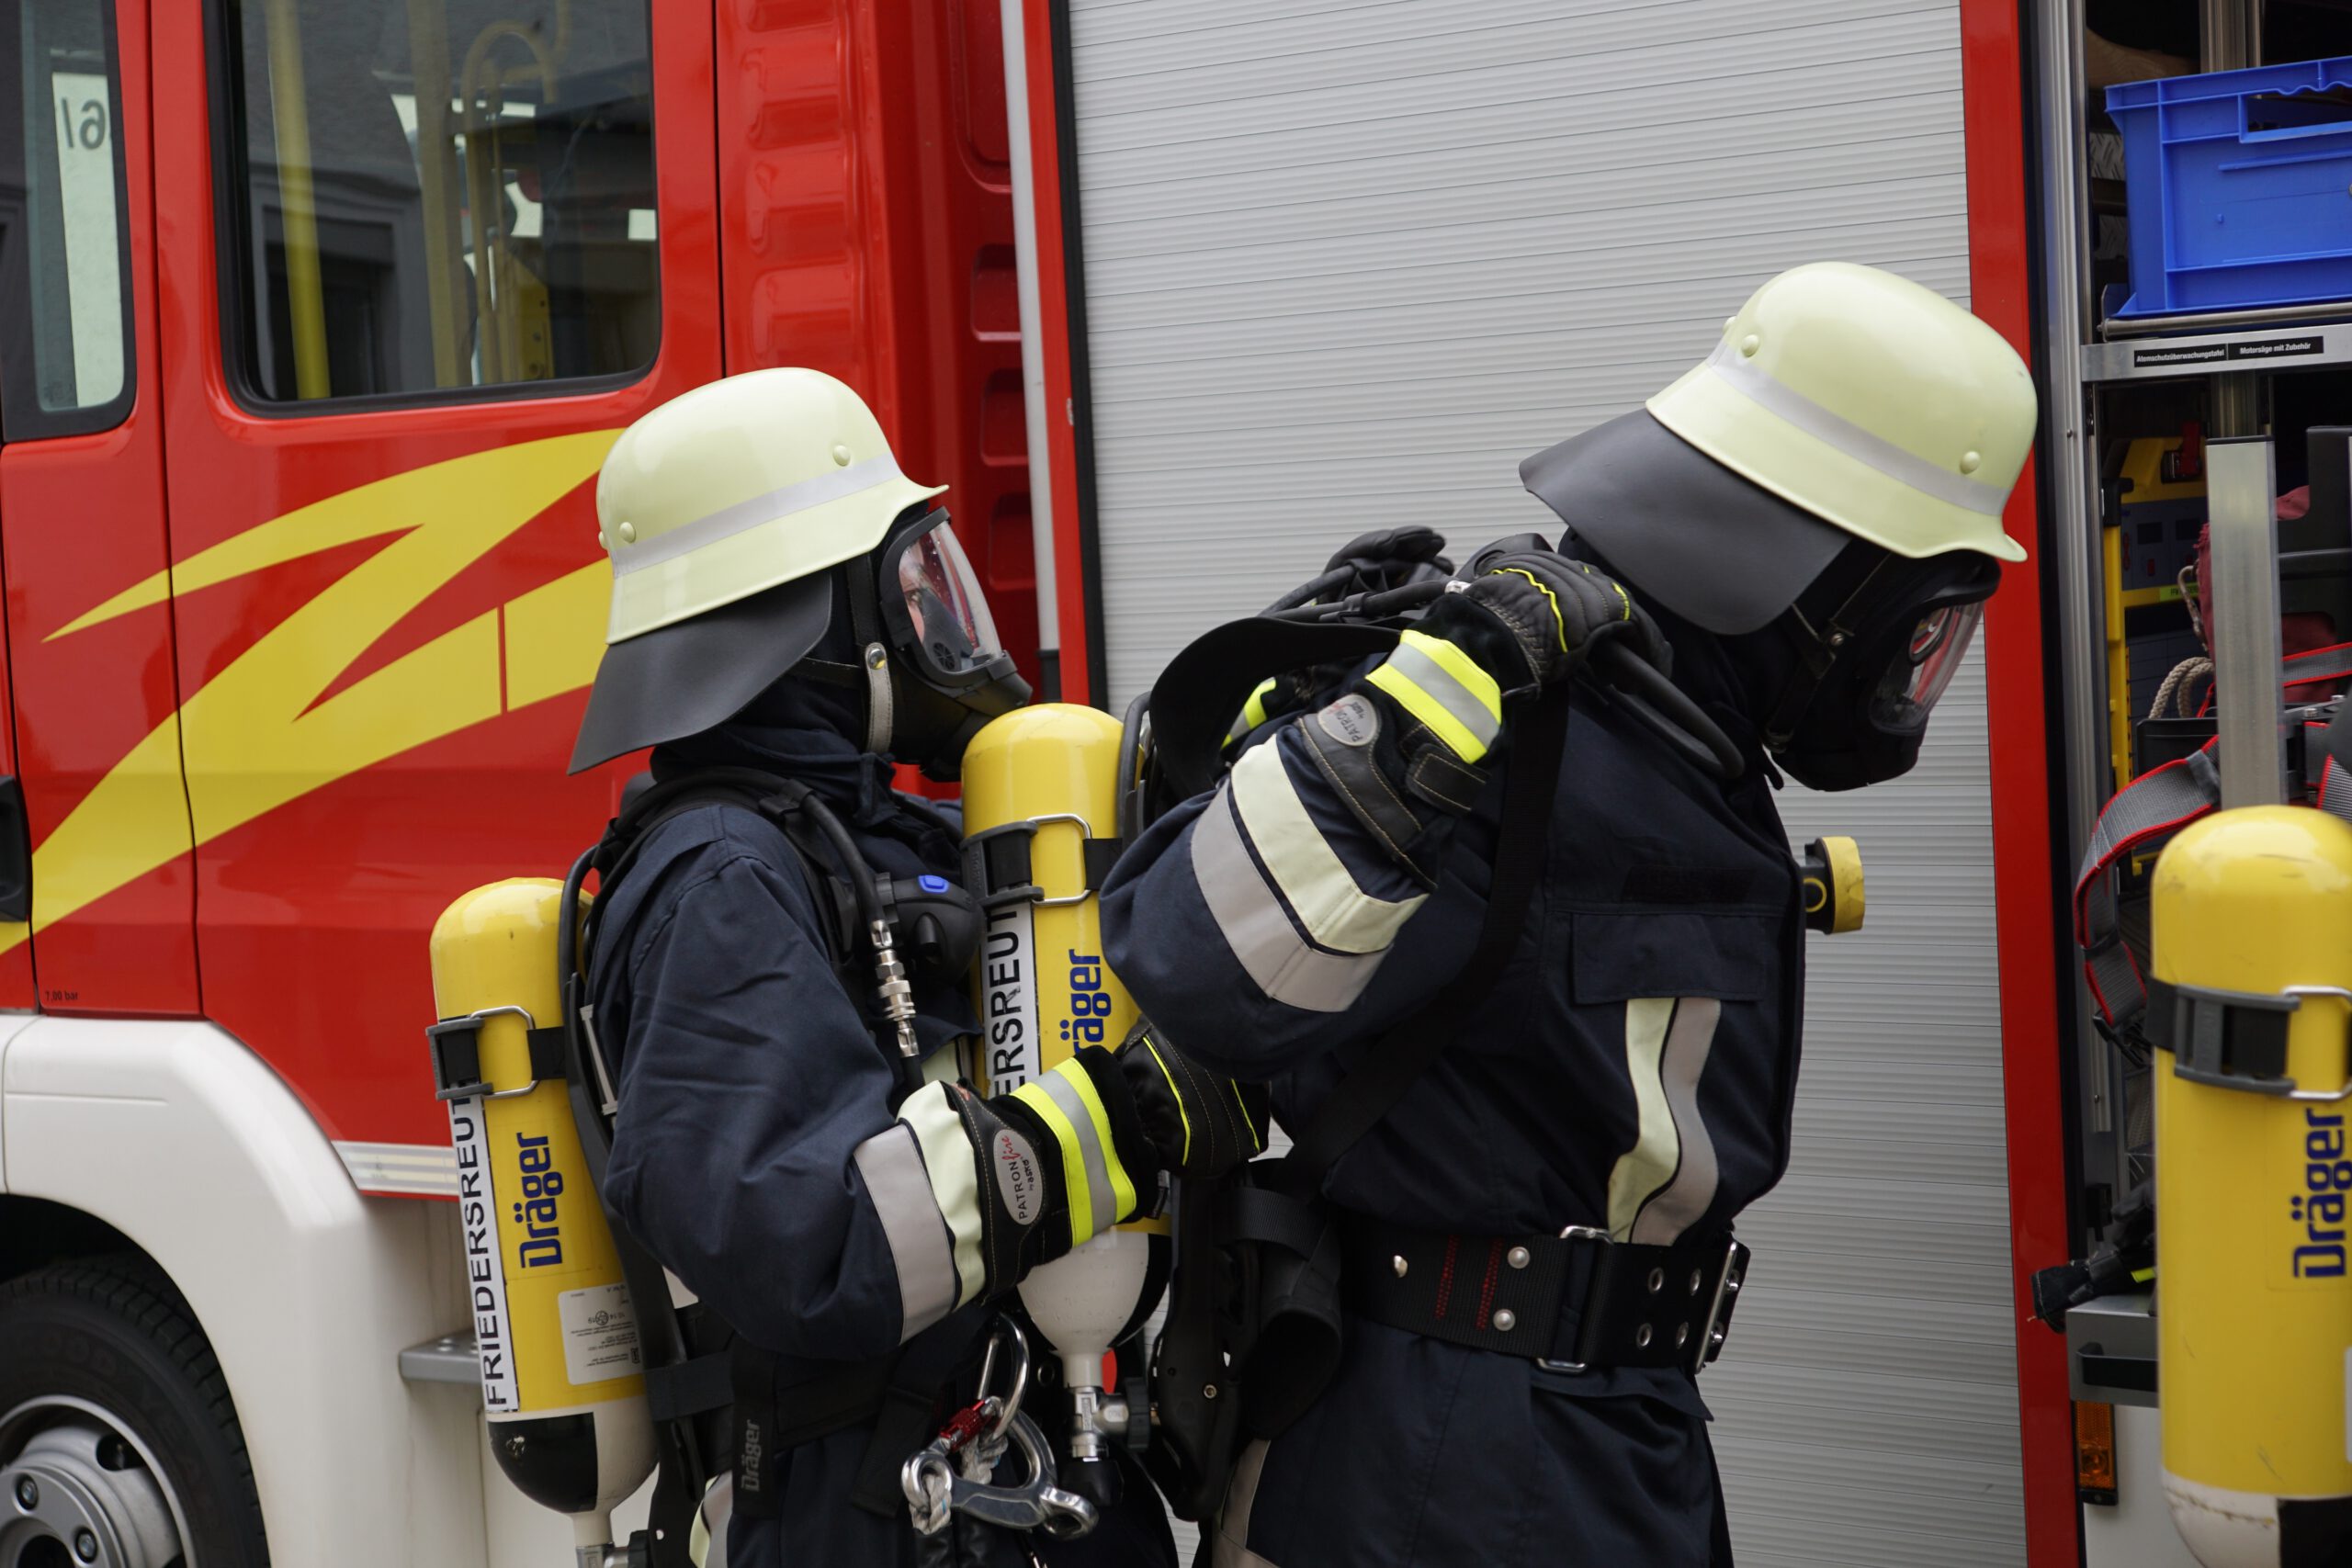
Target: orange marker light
[{"x": 2095, "y": 1453}]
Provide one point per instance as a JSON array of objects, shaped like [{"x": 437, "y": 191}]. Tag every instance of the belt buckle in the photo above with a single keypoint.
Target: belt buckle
[
  {"x": 1576, "y": 1232},
  {"x": 1715, "y": 1329}
]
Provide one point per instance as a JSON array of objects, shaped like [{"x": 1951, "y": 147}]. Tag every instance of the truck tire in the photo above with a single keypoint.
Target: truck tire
[{"x": 118, "y": 1445}]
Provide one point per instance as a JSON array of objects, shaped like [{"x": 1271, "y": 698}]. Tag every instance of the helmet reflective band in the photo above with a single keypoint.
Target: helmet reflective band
[
  {"x": 948, "y": 615},
  {"x": 1915, "y": 677}
]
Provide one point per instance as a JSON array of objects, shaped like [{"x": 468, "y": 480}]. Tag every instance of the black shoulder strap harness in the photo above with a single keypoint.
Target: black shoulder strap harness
[{"x": 713, "y": 1397}]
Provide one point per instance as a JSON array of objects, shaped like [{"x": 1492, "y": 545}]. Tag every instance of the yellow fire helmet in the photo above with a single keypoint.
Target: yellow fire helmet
[
  {"x": 738, "y": 486},
  {"x": 722, "y": 509},
  {"x": 1839, "y": 395}
]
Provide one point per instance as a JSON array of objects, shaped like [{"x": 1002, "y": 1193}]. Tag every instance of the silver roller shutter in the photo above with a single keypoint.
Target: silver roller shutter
[{"x": 1346, "y": 264}]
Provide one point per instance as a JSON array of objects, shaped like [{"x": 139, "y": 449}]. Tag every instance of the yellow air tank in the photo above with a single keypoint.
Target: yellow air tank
[
  {"x": 561, "y": 1374},
  {"x": 1041, "y": 785},
  {"x": 2252, "y": 926}
]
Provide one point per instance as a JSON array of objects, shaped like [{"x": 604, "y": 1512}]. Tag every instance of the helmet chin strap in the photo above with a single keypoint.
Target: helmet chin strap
[
  {"x": 877, "y": 698},
  {"x": 866, "y": 622}
]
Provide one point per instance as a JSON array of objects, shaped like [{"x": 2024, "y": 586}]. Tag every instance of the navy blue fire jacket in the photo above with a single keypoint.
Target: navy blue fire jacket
[
  {"x": 1632, "y": 1071},
  {"x": 750, "y": 1080}
]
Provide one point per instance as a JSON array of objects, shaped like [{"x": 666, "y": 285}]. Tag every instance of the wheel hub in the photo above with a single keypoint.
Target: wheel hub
[{"x": 76, "y": 1496}]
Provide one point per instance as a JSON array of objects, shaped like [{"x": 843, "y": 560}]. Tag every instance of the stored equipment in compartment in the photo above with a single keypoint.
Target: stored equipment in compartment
[
  {"x": 2240, "y": 184},
  {"x": 2157, "y": 508}
]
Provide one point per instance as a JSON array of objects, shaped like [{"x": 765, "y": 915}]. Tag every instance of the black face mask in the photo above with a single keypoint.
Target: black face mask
[
  {"x": 934, "y": 672},
  {"x": 1869, "y": 648}
]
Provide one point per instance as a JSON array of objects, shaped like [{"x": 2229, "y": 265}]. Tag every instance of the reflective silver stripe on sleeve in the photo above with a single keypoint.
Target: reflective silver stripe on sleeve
[
  {"x": 1743, "y": 377},
  {"x": 1250, "y": 916},
  {"x": 1099, "y": 1193},
  {"x": 954, "y": 1175},
  {"x": 1307, "y": 872},
  {"x": 1449, "y": 693},
  {"x": 911, "y": 1223}
]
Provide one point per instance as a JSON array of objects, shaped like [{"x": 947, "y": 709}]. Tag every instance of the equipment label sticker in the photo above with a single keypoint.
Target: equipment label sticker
[
  {"x": 599, "y": 1333},
  {"x": 2279, "y": 348},
  {"x": 485, "y": 1274},
  {"x": 2299, "y": 348},
  {"x": 1008, "y": 998},
  {"x": 2201, "y": 354}
]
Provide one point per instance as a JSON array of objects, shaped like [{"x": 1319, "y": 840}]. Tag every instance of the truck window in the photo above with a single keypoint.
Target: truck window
[
  {"x": 438, "y": 194},
  {"x": 64, "y": 273}
]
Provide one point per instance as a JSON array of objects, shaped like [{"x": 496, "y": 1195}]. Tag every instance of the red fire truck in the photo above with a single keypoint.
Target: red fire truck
[
  {"x": 320, "y": 316},
  {"x": 317, "y": 317}
]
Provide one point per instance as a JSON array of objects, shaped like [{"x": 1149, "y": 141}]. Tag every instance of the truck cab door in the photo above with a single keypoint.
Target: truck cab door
[
  {"x": 93, "y": 745},
  {"x": 428, "y": 259}
]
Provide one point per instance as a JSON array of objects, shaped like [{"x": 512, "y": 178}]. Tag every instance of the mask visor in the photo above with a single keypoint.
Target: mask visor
[
  {"x": 1915, "y": 677},
  {"x": 939, "y": 594}
]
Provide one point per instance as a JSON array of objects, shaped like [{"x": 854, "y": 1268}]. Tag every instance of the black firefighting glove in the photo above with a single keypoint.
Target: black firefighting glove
[
  {"x": 1531, "y": 617},
  {"x": 1390, "y": 558},
  {"x": 1201, "y": 1123},
  {"x": 1408, "y": 747},
  {"x": 1059, "y": 1160}
]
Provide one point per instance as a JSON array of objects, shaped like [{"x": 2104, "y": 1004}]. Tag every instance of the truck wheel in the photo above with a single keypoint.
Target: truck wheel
[{"x": 118, "y": 1445}]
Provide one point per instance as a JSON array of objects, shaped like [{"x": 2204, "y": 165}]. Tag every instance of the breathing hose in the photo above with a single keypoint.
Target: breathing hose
[{"x": 891, "y": 984}]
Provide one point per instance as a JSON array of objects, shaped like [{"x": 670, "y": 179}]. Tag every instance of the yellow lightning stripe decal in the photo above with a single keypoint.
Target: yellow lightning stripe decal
[{"x": 250, "y": 738}]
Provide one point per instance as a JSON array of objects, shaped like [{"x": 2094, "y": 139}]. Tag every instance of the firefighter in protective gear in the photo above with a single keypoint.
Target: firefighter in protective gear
[
  {"x": 1536, "y": 1237},
  {"x": 785, "y": 601}
]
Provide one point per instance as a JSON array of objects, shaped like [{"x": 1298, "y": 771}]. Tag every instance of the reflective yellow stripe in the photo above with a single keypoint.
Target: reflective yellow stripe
[
  {"x": 1080, "y": 1198},
  {"x": 1253, "y": 714},
  {"x": 1254, "y": 710},
  {"x": 1092, "y": 1174},
  {"x": 1463, "y": 668},
  {"x": 1177, "y": 1094},
  {"x": 1444, "y": 688},
  {"x": 1123, "y": 1192},
  {"x": 1430, "y": 711}
]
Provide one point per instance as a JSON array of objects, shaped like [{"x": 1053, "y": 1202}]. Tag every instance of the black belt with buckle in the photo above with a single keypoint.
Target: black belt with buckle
[{"x": 1572, "y": 1301}]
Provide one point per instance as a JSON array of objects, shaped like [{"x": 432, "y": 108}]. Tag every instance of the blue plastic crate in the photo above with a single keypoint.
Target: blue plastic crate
[{"x": 2241, "y": 187}]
